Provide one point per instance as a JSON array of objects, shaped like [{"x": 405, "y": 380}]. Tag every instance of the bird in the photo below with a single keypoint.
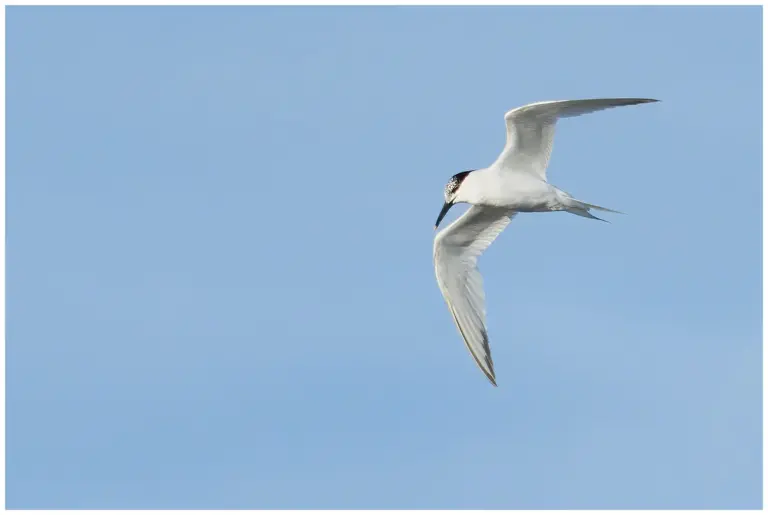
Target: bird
[{"x": 515, "y": 183}]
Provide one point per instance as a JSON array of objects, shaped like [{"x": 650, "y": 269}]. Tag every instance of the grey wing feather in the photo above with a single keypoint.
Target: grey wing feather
[
  {"x": 531, "y": 130},
  {"x": 456, "y": 250}
]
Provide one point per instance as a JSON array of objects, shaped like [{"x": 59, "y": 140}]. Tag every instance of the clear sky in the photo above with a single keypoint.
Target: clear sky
[{"x": 220, "y": 290}]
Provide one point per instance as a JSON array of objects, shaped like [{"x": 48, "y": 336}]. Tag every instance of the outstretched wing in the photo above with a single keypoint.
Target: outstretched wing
[
  {"x": 456, "y": 250},
  {"x": 531, "y": 130}
]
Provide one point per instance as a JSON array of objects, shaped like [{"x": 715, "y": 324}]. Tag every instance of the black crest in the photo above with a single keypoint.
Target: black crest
[{"x": 455, "y": 182}]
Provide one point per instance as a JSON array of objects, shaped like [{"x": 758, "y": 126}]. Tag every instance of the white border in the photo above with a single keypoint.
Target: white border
[
  {"x": 532, "y": 3},
  {"x": 347, "y": 3}
]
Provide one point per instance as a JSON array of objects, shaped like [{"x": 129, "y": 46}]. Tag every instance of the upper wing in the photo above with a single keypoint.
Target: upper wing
[
  {"x": 456, "y": 250},
  {"x": 531, "y": 130}
]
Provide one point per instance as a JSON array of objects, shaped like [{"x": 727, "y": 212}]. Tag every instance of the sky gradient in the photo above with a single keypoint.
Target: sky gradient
[{"x": 220, "y": 290}]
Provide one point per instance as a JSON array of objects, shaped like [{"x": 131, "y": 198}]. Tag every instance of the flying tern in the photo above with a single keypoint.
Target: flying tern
[{"x": 515, "y": 183}]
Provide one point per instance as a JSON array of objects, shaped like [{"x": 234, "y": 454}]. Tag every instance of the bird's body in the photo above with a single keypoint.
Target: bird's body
[
  {"x": 522, "y": 192},
  {"x": 516, "y": 182}
]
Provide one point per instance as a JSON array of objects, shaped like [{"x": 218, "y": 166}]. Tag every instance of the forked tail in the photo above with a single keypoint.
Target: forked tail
[{"x": 577, "y": 207}]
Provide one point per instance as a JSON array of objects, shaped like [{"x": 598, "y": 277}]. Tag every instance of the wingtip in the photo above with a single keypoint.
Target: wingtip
[
  {"x": 640, "y": 100},
  {"x": 489, "y": 374},
  {"x": 491, "y": 377}
]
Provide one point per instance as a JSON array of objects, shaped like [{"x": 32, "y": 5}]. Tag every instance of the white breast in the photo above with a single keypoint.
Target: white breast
[{"x": 521, "y": 192}]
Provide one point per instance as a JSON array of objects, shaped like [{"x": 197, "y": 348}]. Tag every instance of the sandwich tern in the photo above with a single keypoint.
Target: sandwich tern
[{"x": 515, "y": 183}]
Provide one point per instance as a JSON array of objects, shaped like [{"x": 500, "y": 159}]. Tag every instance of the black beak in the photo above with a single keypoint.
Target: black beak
[{"x": 443, "y": 211}]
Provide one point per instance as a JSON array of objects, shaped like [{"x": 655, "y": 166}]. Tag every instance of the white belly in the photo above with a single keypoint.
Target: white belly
[{"x": 521, "y": 192}]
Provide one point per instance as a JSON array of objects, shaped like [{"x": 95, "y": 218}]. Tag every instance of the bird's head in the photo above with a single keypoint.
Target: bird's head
[{"x": 452, "y": 194}]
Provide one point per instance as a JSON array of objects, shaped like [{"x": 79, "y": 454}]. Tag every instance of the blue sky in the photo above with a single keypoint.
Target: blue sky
[{"x": 220, "y": 290}]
